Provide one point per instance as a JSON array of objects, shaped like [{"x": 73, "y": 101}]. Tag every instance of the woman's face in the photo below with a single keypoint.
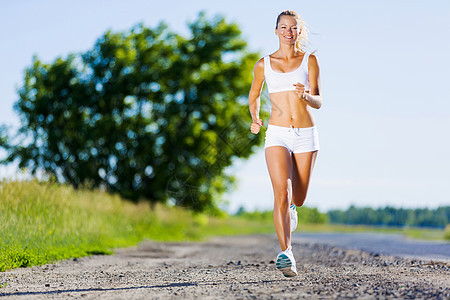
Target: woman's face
[{"x": 288, "y": 30}]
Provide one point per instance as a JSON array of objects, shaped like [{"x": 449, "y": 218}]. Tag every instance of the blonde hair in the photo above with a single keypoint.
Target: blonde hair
[{"x": 302, "y": 41}]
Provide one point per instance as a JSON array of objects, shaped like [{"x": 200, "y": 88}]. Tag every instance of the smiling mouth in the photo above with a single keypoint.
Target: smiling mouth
[{"x": 289, "y": 37}]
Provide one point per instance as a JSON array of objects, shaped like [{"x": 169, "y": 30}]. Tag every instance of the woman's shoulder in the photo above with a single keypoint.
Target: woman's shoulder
[
  {"x": 312, "y": 59},
  {"x": 260, "y": 63},
  {"x": 312, "y": 55},
  {"x": 262, "y": 59},
  {"x": 313, "y": 64},
  {"x": 259, "y": 67}
]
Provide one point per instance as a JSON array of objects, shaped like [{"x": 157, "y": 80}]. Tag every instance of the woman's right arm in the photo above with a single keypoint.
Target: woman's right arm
[{"x": 254, "y": 101}]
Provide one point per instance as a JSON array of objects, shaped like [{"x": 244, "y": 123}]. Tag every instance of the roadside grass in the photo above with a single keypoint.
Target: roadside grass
[
  {"x": 447, "y": 232},
  {"x": 41, "y": 222}
]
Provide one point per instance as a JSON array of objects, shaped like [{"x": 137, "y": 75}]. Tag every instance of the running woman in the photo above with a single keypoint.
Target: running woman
[{"x": 291, "y": 139}]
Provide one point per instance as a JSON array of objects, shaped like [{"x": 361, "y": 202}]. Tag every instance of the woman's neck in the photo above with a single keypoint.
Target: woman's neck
[{"x": 287, "y": 51}]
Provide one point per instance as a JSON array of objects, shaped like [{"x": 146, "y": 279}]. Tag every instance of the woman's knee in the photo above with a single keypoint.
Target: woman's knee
[{"x": 281, "y": 198}]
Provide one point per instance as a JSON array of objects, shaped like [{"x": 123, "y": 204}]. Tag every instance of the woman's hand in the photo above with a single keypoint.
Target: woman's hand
[
  {"x": 315, "y": 101},
  {"x": 256, "y": 126},
  {"x": 300, "y": 90}
]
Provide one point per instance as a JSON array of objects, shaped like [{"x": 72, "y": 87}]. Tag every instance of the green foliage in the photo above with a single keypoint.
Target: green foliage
[
  {"x": 447, "y": 232},
  {"x": 42, "y": 222},
  {"x": 145, "y": 113},
  {"x": 311, "y": 216},
  {"x": 422, "y": 217},
  {"x": 306, "y": 215},
  {"x": 3, "y": 136}
]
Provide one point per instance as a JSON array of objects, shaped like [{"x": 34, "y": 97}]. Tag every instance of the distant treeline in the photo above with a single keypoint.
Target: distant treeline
[
  {"x": 307, "y": 215},
  {"x": 422, "y": 217}
]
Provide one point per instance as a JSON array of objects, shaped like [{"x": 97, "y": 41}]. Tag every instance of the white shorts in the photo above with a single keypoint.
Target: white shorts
[{"x": 296, "y": 140}]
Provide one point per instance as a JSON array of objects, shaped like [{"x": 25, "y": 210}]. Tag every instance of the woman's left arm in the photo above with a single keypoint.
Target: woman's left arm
[{"x": 313, "y": 98}]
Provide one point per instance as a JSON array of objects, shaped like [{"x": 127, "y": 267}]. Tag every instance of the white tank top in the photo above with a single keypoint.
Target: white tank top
[{"x": 284, "y": 81}]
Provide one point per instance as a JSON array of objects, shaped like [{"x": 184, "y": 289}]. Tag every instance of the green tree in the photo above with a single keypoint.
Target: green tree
[{"x": 145, "y": 113}]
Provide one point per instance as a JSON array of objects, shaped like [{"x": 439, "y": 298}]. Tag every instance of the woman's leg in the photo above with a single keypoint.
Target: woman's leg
[
  {"x": 279, "y": 161},
  {"x": 302, "y": 166}
]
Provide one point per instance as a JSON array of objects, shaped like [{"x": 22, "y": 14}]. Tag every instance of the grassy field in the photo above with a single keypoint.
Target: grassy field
[
  {"x": 44, "y": 222},
  {"x": 415, "y": 233}
]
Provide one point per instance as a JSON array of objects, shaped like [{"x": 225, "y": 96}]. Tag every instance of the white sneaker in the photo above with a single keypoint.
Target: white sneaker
[
  {"x": 286, "y": 263},
  {"x": 292, "y": 208},
  {"x": 294, "y": 217}
]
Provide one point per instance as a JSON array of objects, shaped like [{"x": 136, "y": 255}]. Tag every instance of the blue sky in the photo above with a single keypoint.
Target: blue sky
[{"x": 384, "y": 66}]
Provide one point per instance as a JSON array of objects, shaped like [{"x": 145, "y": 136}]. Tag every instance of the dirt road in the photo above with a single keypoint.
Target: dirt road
[{"x": 230, "y": 268}]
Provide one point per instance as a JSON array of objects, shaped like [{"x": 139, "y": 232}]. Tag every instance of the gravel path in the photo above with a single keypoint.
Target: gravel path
[{"x": 230, "y": 268}]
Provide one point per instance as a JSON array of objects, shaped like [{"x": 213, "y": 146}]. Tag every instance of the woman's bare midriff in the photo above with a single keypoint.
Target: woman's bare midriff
[{"x": 288, "y": 109}]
